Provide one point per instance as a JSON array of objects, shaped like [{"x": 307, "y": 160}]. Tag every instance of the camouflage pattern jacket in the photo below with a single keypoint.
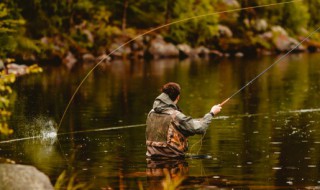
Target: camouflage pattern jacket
[{"x": 168, "y": 129}]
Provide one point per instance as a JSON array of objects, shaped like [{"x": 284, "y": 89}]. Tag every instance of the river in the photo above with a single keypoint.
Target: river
[{"x": 265, "y": 137}]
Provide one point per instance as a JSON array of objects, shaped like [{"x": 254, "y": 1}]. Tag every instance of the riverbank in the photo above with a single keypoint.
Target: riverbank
[{"x": 155, "y": 46}]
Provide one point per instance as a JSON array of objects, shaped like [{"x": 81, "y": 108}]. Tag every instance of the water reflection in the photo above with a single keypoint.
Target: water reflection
[
  {"x": 266, "y": 137},
  {"x": 168, "y": 173}
]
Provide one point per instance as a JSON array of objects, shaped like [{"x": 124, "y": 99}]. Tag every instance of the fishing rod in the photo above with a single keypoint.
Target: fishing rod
[
  {"x": 157, "y": 28},
  {"x": 274, "y": 63}
]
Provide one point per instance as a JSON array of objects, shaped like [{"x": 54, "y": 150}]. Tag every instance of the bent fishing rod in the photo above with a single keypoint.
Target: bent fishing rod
[
  {"x": 268, "y": 68},
  {"x": 155, "y": 29}
]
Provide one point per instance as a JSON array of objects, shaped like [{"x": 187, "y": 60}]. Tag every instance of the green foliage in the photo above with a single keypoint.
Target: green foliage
[
  {"x": 9, "y": 30},
  {"x": 195, "y": 31},
  {"x": 291, "y": 16},
  {"x": 140, "y": 13},
  {"x": 102, "y": 29},
  {"x": 5, "y": 92},
  {"x": 314, "y": 7},
  {"x": 295, "y": 17},
  {"x": 68, "y": 182},
  {"x": 89, "y": 25}
]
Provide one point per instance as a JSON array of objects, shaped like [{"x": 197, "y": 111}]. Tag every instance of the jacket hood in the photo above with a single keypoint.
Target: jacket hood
[{"x": 162, "y": 103}]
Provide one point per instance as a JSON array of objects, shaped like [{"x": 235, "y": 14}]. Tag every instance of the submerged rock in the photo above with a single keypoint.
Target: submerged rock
[{"x": 21, "y": 177}]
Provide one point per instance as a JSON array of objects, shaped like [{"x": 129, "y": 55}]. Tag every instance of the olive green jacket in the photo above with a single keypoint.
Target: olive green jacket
[{"x": 188, "y": 126}]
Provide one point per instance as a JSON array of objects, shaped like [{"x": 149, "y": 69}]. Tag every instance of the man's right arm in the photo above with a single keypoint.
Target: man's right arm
[{"x": 189, "y": 126}]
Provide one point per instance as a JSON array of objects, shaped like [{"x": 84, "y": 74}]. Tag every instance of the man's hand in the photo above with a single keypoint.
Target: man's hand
[{"x": 215, "y": 109}]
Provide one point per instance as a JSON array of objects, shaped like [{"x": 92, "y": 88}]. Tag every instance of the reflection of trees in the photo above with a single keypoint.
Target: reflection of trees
[
  {"x": 122, "y": 92},
  {"x": 246, "y": 142}
]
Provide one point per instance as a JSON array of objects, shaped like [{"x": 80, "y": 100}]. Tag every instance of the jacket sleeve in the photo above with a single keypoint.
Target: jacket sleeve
[{"x": 189, "y": 126}]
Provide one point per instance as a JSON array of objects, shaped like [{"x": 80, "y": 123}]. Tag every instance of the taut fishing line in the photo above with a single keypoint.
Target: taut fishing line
[{"x": 152, "y": 30}]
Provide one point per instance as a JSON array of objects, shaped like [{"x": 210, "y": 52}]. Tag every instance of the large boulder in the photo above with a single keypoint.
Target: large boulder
[
  {"x": 285, "y": 43},
  {"x": 159, "y": 48},
  {"x": 16, "y": 69},
  {"x": 185, "y": 50},
  {"x": 281, "y": 40},
  {"x": 22, "y": 177}
]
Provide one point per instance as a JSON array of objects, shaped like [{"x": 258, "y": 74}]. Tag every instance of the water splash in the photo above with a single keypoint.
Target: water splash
[
  {"x": 49, "y": 130},
  {"x": 41, "y": 128}
]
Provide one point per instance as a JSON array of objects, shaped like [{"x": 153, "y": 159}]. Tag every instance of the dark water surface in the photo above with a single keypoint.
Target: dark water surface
[{"x": 266, "y": 137}]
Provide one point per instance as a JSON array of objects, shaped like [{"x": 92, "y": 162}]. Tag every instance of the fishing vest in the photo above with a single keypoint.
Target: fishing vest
[{"x": 162, "y": 131}]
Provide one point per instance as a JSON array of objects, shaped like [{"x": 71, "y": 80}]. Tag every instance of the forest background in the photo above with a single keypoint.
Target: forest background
[{"x": 41, "y": 30}]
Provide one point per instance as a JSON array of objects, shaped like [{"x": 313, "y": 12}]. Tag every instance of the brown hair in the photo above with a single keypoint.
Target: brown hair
[{"x": 172, "y": 90}]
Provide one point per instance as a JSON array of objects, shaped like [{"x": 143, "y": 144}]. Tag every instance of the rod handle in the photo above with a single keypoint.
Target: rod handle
[{"x": 221, "y": 104}]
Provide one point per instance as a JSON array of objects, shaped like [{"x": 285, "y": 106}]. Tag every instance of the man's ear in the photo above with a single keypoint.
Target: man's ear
[{"x": 177, "y": 99}]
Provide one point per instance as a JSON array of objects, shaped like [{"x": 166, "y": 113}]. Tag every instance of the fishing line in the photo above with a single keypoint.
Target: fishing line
[
  {"x": 154, "y": 29},
  {"x": 143, "y": 124},
  {"x": 75, "y": 132}
]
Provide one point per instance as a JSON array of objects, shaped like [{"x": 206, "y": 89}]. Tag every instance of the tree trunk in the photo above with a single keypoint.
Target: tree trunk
[
  {"x": 168, "y": 12},
  {"x": 124, "y": 16}
]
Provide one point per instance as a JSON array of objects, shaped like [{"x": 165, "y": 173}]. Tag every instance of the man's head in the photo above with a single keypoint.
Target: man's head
[{"x": 172, "y": 90}]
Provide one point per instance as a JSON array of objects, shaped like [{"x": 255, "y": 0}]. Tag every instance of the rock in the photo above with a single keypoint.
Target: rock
[
  {"x": 6, "y": 161},
  {"x": 215, "y": 53},
  {"x": 279, "y": 30},
  {"x": 123, "y": 51},
  {"x": 16, "y": 69},
  {"x": 281, "y": 40},
  {"x": 224, "y": 31},
  {"x": 185, "y": 50},
  {"x": 21, "y": 177},
  {"x": 45, "y": 40},
  {"x": 104, "y": 57},
  {"x": 286, "y": 43},
  {"x": 70, "y": 60},
  {"x": 231, "y": 3},
  {"x": 89, "y": 35},
  {"x": 266, "y": 35},
  {"x": 261, "y": 25},
  {"x": 137, "y": 48},
  {"x": 239, "y": 54},
  {"x": 88, "y": 57},
  {"x": 313, "y": 46},
  {"x": 159, "y": 48},
  {"x": 202, "y": 51}
]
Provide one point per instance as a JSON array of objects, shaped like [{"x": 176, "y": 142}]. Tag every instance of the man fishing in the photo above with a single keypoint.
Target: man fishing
[{"x": 168, "y": 128}]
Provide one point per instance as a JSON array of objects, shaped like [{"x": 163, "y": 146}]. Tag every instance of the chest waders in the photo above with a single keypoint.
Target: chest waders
[{"x": 162, "y": 131}]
